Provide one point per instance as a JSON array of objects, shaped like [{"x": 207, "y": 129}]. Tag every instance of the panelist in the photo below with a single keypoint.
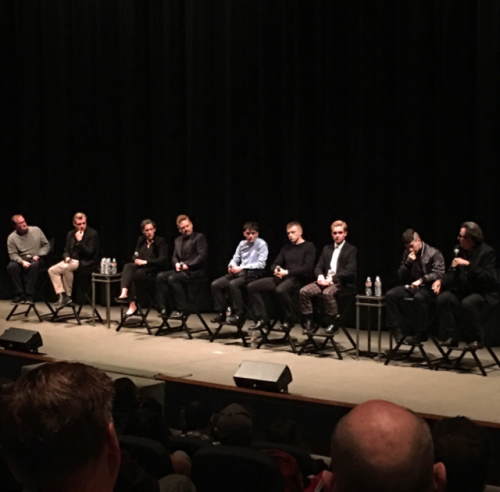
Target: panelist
[
  {"x": 149, "y": 257},
  {"x": 247, "y": 265},
  {"x": 189, "y": 261},
  {"x": 26, "y": 246},
  {"x": 81, "y": 251},
  {"x": 335, "y": 270},
  {"x": 468, "y": 289},
  {"x": 291, "y": 270},
  {"x": 421, "y": 266}
]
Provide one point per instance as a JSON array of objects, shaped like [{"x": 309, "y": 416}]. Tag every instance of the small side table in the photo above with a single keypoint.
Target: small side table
[
  {"x": 370, "y": 302},
  {"x": 106, "y": 279}
]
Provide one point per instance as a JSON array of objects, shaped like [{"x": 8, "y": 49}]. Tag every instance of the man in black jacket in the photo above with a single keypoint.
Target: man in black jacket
[
  {"x": 336, "y": 269},
  {"x": 189, "y": 260},
  {"x": 291, "y": 270},
  {"x": 421, "y": 266},
  {"x": 81, "y": 251},
  {"x": 469, "y": 289}
]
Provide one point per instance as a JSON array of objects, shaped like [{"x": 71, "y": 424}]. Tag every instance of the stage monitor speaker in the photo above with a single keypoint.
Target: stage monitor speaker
[
  {"x": 21, "y": 340},
  {"x": 265, "y": 376}
]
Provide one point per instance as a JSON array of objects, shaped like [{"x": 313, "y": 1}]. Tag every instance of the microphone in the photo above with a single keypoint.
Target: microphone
[
  {"x": 136, "y": 255},
  {"x": 455, "y": 253}
]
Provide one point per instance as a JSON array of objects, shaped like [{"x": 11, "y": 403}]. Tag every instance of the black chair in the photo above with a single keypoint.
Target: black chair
[
  {"x": 193, "y": 290},
  {"x": 304, "y": 460},
  {"x": 345, "y": 299},
  {"x": 233, "y": 468},
  {"x": 149, "y": 454},
  {"x": 190, "y": 445}
]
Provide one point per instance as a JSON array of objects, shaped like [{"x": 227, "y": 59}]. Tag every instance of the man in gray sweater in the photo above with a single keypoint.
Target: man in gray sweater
[{"x": 26, "y": 245}]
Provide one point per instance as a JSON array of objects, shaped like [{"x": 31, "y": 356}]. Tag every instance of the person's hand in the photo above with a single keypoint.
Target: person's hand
[
  {"x": 26, "y": 264},
  {"x": 79, "y": 235},
  {"x": 36, "y": 258},
  {"x": 140, "y": 262},
  {"x": 178, "y": 267},
  {"x": 281, "y": 273},
  {"x": 459, "y": 261},
  {"x": 411, "y": 257},
  {"x": 436, "y": 287},
  {"x": 184, "y": 266},
  {"x": 416, "y": 284},
  {"x": 67, "y": 259},
  {"x": 237, "y": 269}
]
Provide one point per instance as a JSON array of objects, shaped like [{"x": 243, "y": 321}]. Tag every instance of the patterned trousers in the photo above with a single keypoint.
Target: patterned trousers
[{"x": 328, "y": 292}]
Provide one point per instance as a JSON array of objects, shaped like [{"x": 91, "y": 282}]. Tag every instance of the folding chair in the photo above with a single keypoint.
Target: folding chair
[{"x": 345, "y": 299}]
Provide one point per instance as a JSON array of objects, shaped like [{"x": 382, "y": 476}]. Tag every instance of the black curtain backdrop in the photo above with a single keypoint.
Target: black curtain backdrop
[{"x": 384, "y": 114}]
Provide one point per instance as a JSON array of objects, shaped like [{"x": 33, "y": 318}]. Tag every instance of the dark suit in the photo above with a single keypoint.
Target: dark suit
[
  {"x": 85, "y": 251},
  {"x": 156, "y": 257},
  {"x": 467, "y": 293},
  {"x": 345, "y": 277},
  {"x": 191, "y": 250}
]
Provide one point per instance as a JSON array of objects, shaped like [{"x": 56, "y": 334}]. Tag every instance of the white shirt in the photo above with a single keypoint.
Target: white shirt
[{"x": 335, "y": 259}]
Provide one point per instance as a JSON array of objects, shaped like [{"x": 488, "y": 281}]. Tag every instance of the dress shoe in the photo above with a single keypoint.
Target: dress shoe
[
  {"x": 122, "y": 300},
  {"x": 220, "y": 318},
  {"x": 286, "y": 326},
  {"x": 261, "y": 324},
  {"x": 18, "y": 299},
  {"x": 235, "y": 320},
  {"x": 29, "y": 300},
  {"x": 396, "y": 333},
  {"x": 134, "y": 312},
  {"x": 308, "y": 327},
  {"x": 162, "y": 313},
  {"x": 478, "y": 344},
  {"x": 179, "y": 315},
  {"x": 416, "y": 339},
  {"x": 330, "y": 330},
  {"x": 63, "y": 301},
  {"x": 450, "y": 342}
]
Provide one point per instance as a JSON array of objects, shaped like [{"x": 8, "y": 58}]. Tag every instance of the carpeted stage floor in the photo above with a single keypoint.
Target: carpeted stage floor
[{"x": 446, "y": 393}]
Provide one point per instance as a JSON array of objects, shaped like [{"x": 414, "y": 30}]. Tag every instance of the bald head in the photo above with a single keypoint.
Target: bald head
[{"x": 380, "y": 446}]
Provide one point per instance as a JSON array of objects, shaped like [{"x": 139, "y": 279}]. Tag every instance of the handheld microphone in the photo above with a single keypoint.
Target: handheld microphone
[
  {"x": 455, "y": 253},
  {"x": 136, "y": 254}
]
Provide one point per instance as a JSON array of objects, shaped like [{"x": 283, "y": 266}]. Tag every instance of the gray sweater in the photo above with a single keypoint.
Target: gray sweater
[{"x": 33, "y": 243}]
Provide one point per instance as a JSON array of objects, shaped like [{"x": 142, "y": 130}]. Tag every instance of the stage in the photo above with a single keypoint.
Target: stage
[{"x": 346, "y": 382}]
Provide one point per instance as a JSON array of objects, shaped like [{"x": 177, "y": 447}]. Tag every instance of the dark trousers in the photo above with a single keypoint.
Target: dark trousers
[
  {"x": 133, "y": 278},
  {"x": 403, "y": 313},
  {"x": 170, "y": 289},
  {"x": 314, "y": 289},
  {"x": 19, "y": 274},
  {"x": 461, "y": 315},
  {"x": 228, "y": 290},
  {"x": 284, "y": 288}
]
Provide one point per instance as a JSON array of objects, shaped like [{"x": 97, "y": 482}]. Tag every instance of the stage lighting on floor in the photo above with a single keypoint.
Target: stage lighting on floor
[
  {"x": 21, "y": 340},
  {"x": 264, "y": 376}
]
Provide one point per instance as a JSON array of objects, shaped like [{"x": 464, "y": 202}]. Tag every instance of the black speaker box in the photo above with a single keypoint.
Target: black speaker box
[
  {"x": 265, "y": 376},
  {"x": 21, "y": 340}
]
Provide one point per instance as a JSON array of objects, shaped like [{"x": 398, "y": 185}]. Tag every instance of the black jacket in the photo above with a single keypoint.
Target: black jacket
[
  {"x": 85, "y": 251},
  {"x": 345, "y": 276},
  {"x": 431, "y": 262},
  {"x": 160, "y": 251},
  {"x": 477, "y": 277},
  {"x": 192, "y": 251}
]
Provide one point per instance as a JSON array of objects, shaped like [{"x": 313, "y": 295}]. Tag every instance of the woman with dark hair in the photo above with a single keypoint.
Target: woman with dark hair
[{"x": 149, "y": 257}]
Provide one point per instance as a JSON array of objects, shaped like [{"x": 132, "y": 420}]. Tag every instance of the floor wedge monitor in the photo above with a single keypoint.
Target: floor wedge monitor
[{"x": 265, "y": 376}]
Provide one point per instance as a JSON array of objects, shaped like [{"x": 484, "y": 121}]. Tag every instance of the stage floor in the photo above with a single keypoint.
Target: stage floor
[{"x": 446, "y": 393}]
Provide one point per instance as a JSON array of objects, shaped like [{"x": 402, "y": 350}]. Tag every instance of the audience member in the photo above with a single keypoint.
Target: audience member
[
  {"x": 463, "y": 448},
  {"x": 234, "y": 426},
  {"x": 198, "y": 421},
  {"x": 284, "y": 432},
  {"x": 127, "y": 400}
]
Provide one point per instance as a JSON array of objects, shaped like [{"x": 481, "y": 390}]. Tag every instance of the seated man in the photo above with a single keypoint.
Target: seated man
[
  {"x": 189, "y": 261},
  {"x": 56, "y": 429},
  {"x": 420, "y": 267},
  {"x": 81, "y": 251},
  {"x": 336, "y": 270},
  {"x": 292, "y": 269},
  {"x": 381, "y": 447},
  {"x": 26, "y": 246},
  {"x": 149, "y": 257},
  {"x": 247, "y": 265},
  {"x": 468, "y": 289}
]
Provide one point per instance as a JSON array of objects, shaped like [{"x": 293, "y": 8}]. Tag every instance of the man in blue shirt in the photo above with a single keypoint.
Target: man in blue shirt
[{"x": 247, "y": 265}]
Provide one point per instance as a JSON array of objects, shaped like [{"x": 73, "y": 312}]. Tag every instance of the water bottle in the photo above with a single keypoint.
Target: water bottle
[
  {"x": 368, "y": 287},
  {"x": 107, "y": 265},
  {"x": 114, "y": 268},
  {"x": 253, "y": 340},
  {"x": 378, "y": 287},
  {"x": 103, "y": 260}
]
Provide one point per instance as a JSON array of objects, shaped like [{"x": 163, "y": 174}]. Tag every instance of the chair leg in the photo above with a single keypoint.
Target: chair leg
[
  {"x": 494, "y": 356},
  {"x": 392, "y": 353},
  {"x": 13, "y": 310},
  {"x": 144, "y": 320}
]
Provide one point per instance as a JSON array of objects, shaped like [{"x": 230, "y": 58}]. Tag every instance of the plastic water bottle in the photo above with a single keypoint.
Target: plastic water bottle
[
  {"x": 378, "y": 287},
  {"x": 368, "y": 287},
  {"x": 107, "y": 265},
  {"x": 114, "y": 268},
  {"x": 253, "y": 340},
  {"x": 102, "y": 264}
]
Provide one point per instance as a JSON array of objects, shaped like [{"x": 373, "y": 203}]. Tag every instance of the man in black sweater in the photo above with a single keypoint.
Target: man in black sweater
[
  {"x": 291, "y": 269},
  {"x": 470, "y": 289},
  {"x": 189, "y": 261}
]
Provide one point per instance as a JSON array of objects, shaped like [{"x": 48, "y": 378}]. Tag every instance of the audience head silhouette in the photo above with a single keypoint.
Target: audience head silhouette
[{"x": 56, "y": 429}]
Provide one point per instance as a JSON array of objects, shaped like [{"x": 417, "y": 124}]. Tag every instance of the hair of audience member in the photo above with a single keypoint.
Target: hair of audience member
[
  {"x": 182, "y": 218},
  {"x": 145, "y": 222},
  {"x": 474, "y": 231},
  {"x": 410, "y": 235},
  {"x": 357, "y": 469},
  {"x": 339, "y": 223},
  {"x": 463, "y": 447},
  {"x": 251, "y": 226},
  {"x": 54, "y": 422},
  {"x": 233, "y": 426},
  {"x": 294, "y": 223},
  {"x": 197, "y": 415},
  {"x": 127, "y": 396},
  {"x": 79, "y": 216},
  {"x": 284, "y": 432}
]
